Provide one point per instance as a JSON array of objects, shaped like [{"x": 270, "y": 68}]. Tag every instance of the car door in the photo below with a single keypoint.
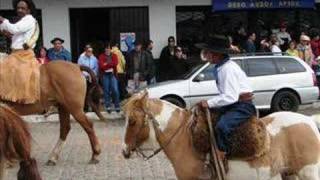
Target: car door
[
  {"x": 202, "y": 86},
  {"x": 262, "y": 73}
]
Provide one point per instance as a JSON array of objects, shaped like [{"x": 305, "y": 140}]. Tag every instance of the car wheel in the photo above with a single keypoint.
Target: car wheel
[
  {"x": 285, "y": 101},
  {"x": 174, "y": 101}
]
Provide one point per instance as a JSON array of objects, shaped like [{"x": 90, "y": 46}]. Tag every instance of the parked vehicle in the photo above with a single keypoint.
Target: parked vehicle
[{"x": 280, "y": 83}]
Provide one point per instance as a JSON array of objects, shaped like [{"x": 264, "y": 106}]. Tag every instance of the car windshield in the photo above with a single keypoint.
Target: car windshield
[{"x": 188, "y": 74}]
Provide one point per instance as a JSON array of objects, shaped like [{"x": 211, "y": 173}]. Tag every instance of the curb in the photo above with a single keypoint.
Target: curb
[
  {"x": 55, "y": 117},
  {"x": 315, "y": 105}
]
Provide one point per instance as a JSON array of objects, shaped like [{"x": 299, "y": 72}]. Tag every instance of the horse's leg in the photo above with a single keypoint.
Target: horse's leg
[
  {"x": 2, "y": 169},
  {"x": 88, "y": 127},
  {"x": 309, "y": 172},
  {"x": 64, "y": 117}
]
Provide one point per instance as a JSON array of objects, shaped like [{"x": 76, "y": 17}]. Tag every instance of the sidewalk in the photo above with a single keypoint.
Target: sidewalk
[{"x": 315, "y": 105}]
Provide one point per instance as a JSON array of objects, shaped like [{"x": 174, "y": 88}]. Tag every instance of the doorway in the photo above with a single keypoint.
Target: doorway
[{"x": 96, "y": 26}]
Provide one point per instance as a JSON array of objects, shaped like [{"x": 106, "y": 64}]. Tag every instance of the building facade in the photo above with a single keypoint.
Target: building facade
[{"x": 78, "y": 21}]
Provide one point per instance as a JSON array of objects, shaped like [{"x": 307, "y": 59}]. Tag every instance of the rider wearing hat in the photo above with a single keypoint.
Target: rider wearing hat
[
  {"x": 19, "y": 72},
  {"x": 234, "y": 102}
]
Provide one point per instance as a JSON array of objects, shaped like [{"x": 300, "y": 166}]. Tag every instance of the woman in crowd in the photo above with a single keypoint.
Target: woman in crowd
[
  {"x": 179, "y": 63},
  {"x": 108, "y": 66},
  {"x": 292, "y": 50},
  {"x": 42, "y": 56},
  {"x": 304, "y": 50},
  {"x": 275, "y": 49}
]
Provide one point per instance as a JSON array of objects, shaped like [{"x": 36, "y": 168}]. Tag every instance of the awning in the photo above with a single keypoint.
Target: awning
[{"x": 229, "y": 5}]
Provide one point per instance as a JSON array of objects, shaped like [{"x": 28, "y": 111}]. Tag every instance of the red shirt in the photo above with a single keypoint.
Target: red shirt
[
  {"x": 315, "y": 46},
  {"x": 104, "y": 66},
  {"x": 40, "y": 60}
]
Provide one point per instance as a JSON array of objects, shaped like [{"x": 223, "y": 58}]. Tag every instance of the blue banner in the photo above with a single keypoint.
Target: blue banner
[{"x": 226, "y": 5}]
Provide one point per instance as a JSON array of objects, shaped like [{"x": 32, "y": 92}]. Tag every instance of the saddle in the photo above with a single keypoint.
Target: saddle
[{"x": 248, "y": 141}]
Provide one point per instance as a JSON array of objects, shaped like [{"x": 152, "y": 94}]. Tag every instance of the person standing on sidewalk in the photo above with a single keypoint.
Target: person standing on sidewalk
[
  {"x": 108, "y": 66},
  {"x": 149, "y": 64}
]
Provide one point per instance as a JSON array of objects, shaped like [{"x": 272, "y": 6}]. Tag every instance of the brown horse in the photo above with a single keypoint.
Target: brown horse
[
  {"x": 15, "y": 144},
  {"x": 63, "y": 85},
  {"x": 153, "y": 124}
]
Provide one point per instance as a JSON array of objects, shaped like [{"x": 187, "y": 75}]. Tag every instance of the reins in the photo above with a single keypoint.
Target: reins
[{"x": 156, "y": 126}]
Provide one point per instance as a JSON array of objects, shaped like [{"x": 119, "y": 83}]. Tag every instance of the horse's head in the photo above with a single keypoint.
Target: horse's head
[{"x": 137, "y": 127}]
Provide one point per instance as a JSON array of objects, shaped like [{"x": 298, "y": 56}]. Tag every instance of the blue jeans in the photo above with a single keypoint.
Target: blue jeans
[
  {"x": 110, "y": 88},
  {"x": 231, "y": 117}
]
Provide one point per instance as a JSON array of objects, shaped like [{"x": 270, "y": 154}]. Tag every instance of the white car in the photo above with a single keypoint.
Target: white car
[{"x": 280, "y": 83}]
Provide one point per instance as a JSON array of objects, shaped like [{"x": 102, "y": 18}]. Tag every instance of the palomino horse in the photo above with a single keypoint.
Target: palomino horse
[
  {"x": 15, "y": 144},
  {"x": 63, "y": 85},
  {"x": 158, "y": 125}
]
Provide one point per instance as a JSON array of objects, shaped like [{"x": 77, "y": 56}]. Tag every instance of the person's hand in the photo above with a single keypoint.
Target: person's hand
[{"x": 204, "y": 104}]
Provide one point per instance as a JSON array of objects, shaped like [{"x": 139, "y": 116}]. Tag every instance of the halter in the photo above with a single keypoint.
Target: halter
[{"x": 155, "y": 126}]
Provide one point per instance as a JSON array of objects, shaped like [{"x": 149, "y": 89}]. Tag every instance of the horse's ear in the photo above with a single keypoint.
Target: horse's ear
[
  {"x": 144, "y": 98},
  {"x": 145, "y": 94}
]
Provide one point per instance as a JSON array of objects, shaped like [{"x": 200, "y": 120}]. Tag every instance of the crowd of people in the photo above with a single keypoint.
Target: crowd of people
[
  {"x": 279, "y": 42},
  {"x": 121, "y": 73}
]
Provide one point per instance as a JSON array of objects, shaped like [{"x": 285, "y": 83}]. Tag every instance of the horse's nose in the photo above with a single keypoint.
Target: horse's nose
[{"x": 126, "y": 153}]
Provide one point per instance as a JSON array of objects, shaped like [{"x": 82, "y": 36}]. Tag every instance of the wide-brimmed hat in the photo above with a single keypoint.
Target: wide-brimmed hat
[
  {"x": 217, "y": 43},
  {"x": 56, "y": 39},
  {"x": 305, "y": 38}
]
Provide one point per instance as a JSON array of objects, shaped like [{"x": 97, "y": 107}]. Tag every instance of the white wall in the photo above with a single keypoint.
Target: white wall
[{"x": 55, "y": 16}]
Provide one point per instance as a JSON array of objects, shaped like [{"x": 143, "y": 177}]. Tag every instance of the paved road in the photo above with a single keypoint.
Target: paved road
[{"x": 75, "y": 155}]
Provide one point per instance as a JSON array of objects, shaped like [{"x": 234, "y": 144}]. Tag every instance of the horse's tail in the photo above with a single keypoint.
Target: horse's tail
[
  {"x": 18, "y": 138},
  {"x": 17, "y": 143},
  {"x": 94, "y": 92}
]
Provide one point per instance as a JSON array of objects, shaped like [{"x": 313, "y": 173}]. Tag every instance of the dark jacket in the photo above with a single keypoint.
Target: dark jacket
[
  {"x": 250, "y": 47},
  {"x": 179, "y": 68},
  {"x": 141, "y": 66},
  {"x": 165, "y": 64},
  {"x": 149, "y": 66}
]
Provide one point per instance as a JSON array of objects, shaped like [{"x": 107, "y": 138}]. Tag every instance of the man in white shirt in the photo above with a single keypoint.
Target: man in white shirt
[
  {"x": 283, "y": 37},
  {"x": 234, "y": 101},
  {"x": 19, "y": 72}
]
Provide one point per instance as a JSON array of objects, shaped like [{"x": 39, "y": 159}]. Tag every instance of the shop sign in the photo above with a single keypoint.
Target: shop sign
[{"x": 226, "y": 5}]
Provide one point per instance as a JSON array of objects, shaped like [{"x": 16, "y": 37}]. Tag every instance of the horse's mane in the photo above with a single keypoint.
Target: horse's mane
[{"x": 14, "y": 135}]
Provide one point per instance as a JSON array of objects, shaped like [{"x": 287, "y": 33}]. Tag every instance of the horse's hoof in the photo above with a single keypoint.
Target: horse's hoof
[
  {"x": 94, "y": 161},
  {"x": 51, "y": 163}
]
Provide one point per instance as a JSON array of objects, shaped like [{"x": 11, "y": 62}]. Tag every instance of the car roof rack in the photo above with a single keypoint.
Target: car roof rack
[{"x": 259, "y": 54}]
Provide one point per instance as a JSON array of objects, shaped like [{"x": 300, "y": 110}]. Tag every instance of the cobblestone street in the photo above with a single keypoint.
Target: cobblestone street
[{"x": 73, "y": 163}]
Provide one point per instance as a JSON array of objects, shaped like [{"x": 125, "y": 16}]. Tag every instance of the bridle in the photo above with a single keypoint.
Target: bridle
[{"x": 156, "y": 127}]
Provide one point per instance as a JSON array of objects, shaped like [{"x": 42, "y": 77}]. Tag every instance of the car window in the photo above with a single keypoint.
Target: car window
[
  {"x": 289, "y": 65},
  {"x": 188, "y": 74},
  {"x": 208, "y": 73},
  {"x": 261, "y": 67}
]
